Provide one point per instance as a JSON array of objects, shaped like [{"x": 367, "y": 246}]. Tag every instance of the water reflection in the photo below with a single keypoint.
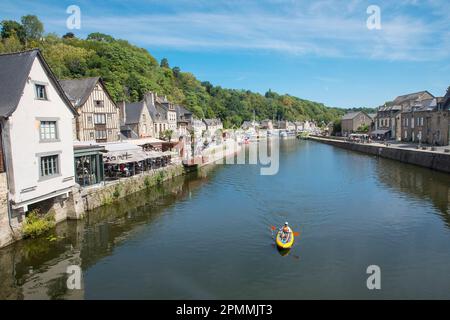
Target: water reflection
[
  {"x": 417, "y": 182},
  {"x": 36, "y": 269}
]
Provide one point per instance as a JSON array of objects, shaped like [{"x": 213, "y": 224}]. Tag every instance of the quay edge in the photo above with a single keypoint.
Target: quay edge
[{"x": 431, "y": 160}]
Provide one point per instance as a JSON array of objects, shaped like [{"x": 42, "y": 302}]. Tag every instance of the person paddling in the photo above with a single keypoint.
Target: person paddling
[{"x": 285, "y": 231}]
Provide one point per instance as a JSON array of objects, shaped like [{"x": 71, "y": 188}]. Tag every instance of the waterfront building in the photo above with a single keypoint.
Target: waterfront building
[
  {"x": 169, "y": 112},
  {"x": 427, "y": 121},
  {"x": 299, "y": 126},
  {"x": 184, "y": 117},
  {"x": 158, "y": 114},
  {"x": 389, "y": 116},
  {"x": 266, "y": 124},
  {"x": 250, "y": 125},
  {"x": 36, "y": 120},
  {"x": 197, "y": 126},
  {"x": 213, "y": 125},
  {"x": 136, "y": 121},
  {"x": 351, "y": 122},
  {"x": 97, "y": 114}
]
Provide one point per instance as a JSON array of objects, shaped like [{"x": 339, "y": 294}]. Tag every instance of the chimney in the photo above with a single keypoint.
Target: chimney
[{"x": 122, "y": 113}]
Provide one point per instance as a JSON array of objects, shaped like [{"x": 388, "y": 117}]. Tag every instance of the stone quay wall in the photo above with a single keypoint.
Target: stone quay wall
[{"x": 433, "y": 160}]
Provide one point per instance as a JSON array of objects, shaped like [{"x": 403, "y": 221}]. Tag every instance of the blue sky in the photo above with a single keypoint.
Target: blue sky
[{"x": 319, "y": 50}]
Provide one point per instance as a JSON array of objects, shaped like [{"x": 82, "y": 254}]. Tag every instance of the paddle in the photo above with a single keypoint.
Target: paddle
[{"x": 296, "y": 234}]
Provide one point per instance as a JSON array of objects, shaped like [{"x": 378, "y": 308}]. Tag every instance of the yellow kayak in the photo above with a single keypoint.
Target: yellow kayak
[{"x": 287, "y": 243}]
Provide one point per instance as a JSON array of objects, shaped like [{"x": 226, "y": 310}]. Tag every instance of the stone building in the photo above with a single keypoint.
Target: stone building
[
  {"x": 389, "y": 116},
  {"x": 351, "y": 122},
  {"x": 427, "y": 121},
  {"x": 136, "y": 121}
]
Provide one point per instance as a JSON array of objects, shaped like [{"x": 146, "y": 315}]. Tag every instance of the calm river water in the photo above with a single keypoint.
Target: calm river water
[{"x": 207, "y": 235}]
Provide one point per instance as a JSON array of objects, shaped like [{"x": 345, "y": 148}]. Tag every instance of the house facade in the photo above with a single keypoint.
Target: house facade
[
  {"x": 98, "y": 116},
  {"x": 36, "y": 131},
  {"x": 169, "y": 112},
  {"x": 136, "y": 121},
  {"x": 158, "y": 114},
  {"x": 426, "y": 122},
  {"x": 389, "y": 117},
  {"x": 266, "y": 124},
  {"x": 184, "y": 118},
  {"x": 351, "y": 122},
  {"x": 213, "y": 125}
]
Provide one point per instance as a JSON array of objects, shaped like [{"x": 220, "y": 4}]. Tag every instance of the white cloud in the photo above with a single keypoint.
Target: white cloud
[{"x": 323, "y": 28}]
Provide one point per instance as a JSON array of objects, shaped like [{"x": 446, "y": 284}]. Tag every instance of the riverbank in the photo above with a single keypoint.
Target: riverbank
[
  {"x": 79, "y": 201},
  {"x": 429, "y": 159}
]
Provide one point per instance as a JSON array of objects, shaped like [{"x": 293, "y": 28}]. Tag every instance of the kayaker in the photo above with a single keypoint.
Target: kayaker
[{"x": 285, "y": 231}]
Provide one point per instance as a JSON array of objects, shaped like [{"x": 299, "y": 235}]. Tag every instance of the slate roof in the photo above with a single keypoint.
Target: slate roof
[
  {"x": 212, "y": 122},
  {"x": 446, "y": 99},
  {"x": 350, "y": 115},
  {"x": 182, "y": 112},
  {"x": 410, "y": 96},
  {"x": 14, "y": 71},
  {"x": 157, "y": 113},
  {"x": 133, "y": 112}
]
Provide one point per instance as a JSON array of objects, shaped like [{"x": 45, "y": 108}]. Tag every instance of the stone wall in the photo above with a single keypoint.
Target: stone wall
[
  {"x": 80, "y": 200},
  {"x": 431, "y": 160},
  {"x": 98, "y": 196},
  {"x": 5, "y": 231}
]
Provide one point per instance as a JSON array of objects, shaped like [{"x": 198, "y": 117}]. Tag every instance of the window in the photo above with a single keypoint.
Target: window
[
  {"x": 406, "y": 134},
  {"x": 49, "y": 166},
  {"x": 99, "y": 103},
  {"x": 100, "y": 118},
  {"x": 100, "y": 134},
  {"x": 89, "y": 119},
  {"x": 41, "y": 93},
  {"x": 91, "y": 135},
  {"x": 48, "y": 131}
]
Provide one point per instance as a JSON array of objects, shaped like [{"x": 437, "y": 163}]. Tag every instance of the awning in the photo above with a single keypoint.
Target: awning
[
  {"x": 383, "y": 132},
  {"x": 126, "y": 156},
  {"x": 144, "y": 141}
]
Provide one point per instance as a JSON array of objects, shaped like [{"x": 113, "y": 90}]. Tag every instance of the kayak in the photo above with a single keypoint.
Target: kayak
[{"x": 286, "y": 243}]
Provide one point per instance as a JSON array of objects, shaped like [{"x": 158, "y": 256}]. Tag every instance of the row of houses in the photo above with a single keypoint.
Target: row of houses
[
  {"x": 296, "y": 126},
  {"x": 415, "y": 117},
  {"x": 100, "y": 119},
  {"x": 53, "y": 133}
]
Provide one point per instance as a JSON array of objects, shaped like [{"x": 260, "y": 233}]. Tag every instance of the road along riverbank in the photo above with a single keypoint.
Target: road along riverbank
[{"x": 433, "y": 160}]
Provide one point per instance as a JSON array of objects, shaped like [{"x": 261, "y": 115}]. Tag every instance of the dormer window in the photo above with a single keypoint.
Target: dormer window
[{"x": 41, "y": 92}]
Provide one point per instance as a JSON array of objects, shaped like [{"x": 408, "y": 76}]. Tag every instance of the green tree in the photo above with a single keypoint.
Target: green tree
[
  {"x": 164, "y": 63},
  {"x": 32, "y": 27},
  {"x": 168, "y": 134},
  {"x": 97, "y": 36},
  {"x": 12, "y": 28},
  {"x": 11, "y": 44},
  {"x": 69, "y": 35},
  {"x": 176, "y": 71}
]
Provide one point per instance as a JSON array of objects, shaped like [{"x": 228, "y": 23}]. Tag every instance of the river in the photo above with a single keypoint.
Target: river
[{"x": 207, "y": 235}]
